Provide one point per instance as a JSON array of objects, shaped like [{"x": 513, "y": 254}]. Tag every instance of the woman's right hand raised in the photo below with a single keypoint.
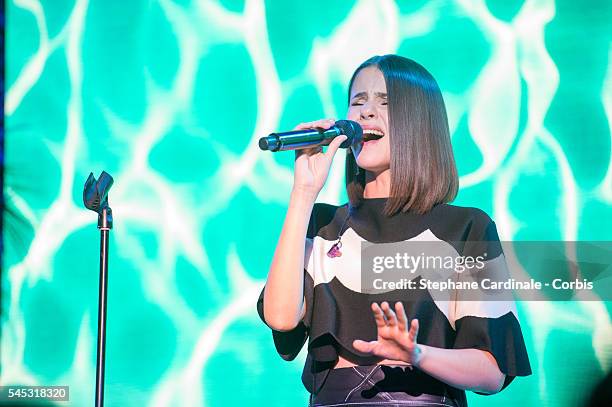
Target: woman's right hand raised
[{"x": 312, "y": 165}]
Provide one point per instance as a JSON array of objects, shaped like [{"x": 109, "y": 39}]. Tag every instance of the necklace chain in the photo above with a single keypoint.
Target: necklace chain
[{"x": 334, "y": 251}]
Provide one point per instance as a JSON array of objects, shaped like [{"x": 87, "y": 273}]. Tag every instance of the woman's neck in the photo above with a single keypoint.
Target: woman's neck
[{"x": 378, "y": 185}]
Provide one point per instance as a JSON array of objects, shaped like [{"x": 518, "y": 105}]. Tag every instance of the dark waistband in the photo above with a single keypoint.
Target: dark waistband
[{"x": 384, "y": 384}]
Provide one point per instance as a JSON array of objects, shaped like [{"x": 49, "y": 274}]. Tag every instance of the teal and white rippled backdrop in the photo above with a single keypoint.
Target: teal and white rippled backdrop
[{"x": 170, "y": 97}]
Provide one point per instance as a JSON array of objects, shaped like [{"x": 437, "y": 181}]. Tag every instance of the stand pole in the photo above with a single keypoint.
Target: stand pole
[{"x": 105, "y": 226}]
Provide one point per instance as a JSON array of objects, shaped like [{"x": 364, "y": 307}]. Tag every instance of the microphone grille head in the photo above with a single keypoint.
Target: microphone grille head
[{"x": 352, "y": 130}]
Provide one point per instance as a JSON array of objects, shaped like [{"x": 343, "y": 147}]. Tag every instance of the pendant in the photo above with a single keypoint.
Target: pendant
[{"x": 335, "y": 250}]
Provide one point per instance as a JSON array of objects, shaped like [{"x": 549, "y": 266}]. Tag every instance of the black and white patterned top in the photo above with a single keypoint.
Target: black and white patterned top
[{"x": 338, "y": 311}]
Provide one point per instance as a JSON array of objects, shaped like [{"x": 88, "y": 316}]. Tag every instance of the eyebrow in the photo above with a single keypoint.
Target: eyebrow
[{"x": 364, "y": 94}]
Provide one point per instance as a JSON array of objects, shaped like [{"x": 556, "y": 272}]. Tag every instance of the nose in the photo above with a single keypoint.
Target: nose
[{"x": 368, "y": 111}]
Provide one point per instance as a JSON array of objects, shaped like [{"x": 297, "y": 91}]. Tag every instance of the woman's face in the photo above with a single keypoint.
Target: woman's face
[{"x": 368, "y": 107}]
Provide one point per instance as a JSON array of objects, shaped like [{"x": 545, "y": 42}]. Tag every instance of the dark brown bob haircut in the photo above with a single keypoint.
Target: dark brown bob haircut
[{"x": 423, "y": 170}]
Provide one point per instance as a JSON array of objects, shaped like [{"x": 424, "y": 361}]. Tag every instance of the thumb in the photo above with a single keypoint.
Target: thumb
[
  {"x": 363, "y": 346},
  {"x": 334, "y": 145}
]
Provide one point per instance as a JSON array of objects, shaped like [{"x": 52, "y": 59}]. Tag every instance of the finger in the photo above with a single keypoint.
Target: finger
[
  {"x": 402, "y": 320},
  {"x": 389, "y": 314},
  {"x": 414, "y": 330},
  {"x": 323, "y": 124},
  {"x": 308, "y": 151},
  {"x": 335, "y": 145},
  {"x": 304, "y": 126},
  {"x": 381, "y": 322},
  {"x": 363, "y": 346}
]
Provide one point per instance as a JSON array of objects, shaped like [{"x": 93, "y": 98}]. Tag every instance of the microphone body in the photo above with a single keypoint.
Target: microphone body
[{"x": 301, "y": 139}]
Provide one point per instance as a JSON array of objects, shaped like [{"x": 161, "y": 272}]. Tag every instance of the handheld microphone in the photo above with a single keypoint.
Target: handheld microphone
[{"x": 301, "y": 139}]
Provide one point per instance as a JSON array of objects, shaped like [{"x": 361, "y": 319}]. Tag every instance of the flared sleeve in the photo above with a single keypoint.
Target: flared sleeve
[
  {"x": 488, "y": 320},
  {"x": 289, "y": 343}
]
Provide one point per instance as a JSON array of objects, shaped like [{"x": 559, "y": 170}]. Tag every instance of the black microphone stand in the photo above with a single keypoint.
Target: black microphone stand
[{"x": 95, "y": 198}]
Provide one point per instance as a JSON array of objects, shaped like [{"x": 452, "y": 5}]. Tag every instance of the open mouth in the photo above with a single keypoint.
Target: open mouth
[{"x": 372, "y": 135}]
